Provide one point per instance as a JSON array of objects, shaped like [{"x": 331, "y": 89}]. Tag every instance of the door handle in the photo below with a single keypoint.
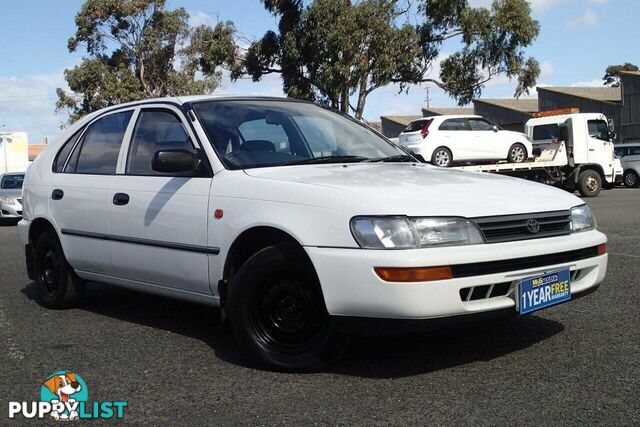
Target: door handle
[
  {"x": 120, "y": 199},
  {"x": 57, "y": 194}
]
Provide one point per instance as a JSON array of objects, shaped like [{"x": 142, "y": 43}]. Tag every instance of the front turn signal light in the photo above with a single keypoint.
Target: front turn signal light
[
  {"x": 602, "y": 249},
  {"x": 415, "y": 274}
]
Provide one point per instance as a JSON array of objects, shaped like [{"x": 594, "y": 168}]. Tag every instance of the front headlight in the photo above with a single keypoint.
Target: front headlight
[
  {"x": 7, "y": 200},
  {"x": 413, "y": 233},
  {"x": 582, "y": 219}
]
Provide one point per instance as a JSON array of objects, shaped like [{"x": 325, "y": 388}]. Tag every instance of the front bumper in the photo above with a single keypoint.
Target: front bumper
[
  {"x": 10, "y": 211},
  {"x": 352, "y": 288}
]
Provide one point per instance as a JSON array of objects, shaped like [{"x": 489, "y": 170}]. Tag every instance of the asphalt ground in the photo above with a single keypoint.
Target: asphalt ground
[{"x": 573, "y": 364}]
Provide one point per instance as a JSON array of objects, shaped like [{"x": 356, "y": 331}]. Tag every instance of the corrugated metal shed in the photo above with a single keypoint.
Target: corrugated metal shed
[
  {"x": 511, "y": 114},
  {"x": 630, "y": 114},
  {"x": 392, "y": 126}
]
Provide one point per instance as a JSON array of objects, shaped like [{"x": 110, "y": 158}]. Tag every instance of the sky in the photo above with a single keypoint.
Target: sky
[{"x": 578, "y": 40}]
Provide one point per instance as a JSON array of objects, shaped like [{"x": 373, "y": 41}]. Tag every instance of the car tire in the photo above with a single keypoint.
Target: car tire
[
  {"x": 57, "y": 284},
  {"x": 631, "y": 179},
  {"x": 517, "y": 153},
  {"x": 442, "y": 157},
  {"x": 277, "y": 312},
  {"x": 589, "y": 183}
]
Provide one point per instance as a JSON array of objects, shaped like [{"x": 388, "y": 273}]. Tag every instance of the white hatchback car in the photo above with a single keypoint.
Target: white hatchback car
[
  {"x": 303, "y": 224},
  {"x": 443, "y": 140}
]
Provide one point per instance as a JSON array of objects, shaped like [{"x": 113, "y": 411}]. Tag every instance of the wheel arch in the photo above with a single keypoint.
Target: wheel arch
[
  {"x": 247, "y": 244},
  {"x": 38, "y": 227}
]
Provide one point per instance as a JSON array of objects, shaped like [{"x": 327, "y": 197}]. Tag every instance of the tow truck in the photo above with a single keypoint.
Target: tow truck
[{"x": 580, "y": 158}]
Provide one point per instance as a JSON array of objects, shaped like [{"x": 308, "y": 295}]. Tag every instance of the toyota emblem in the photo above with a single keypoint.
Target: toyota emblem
[{"x": 533, "y": 226}]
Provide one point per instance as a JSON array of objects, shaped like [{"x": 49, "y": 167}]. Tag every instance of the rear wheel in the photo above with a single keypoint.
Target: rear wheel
[
  {"x": 442, "y": 157},
  {"x": 631, "y": 179},
  {"x": 517, "y": 154},
  {"x": 589, "y": 183},
  {"x": 58, "y": 285},
  {"x": 277, "y": 312}
]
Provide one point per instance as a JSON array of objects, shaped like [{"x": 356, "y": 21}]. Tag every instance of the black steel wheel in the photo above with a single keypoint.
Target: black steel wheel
[
  {"x": 57, "y": 284},
  {"x": 277, "y": 312}
]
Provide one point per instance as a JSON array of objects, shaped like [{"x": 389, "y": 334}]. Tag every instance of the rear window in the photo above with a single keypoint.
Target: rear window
[
  {"x": 546, "y": 132},
  {"x": 415, "y": 126}
]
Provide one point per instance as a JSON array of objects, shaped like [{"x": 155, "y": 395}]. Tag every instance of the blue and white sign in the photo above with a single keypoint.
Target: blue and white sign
[{"x": 543, "y": 291}]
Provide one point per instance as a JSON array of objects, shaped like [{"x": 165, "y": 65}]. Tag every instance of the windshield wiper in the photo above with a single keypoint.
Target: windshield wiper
[
  {"x": 326, "y": 159},
  {"x": 396, "y": 158}
]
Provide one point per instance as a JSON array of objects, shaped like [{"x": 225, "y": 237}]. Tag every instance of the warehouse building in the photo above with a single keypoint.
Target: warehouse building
[{"x": 620, "y": 104}]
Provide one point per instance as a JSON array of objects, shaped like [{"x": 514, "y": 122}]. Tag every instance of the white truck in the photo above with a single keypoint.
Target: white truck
[
  {"x": 575, "y": 149},
  {"x": 14, "y": 152}
]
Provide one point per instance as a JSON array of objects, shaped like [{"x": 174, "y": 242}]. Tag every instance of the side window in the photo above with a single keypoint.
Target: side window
[
  {"x": 258, "y": 135},
  {"x": 63, "y": 154},
  {"x": 454, "y": 124},
  {"x": 155, "y": 130},
  {"x": 479, "y": 124},
  {"x": 100, "y": 147},
  {"x": 598, "y": 129},
  {"x": 633, "y": 150}
]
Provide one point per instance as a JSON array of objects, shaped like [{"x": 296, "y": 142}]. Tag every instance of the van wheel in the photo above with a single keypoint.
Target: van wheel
[
  {"x": 442, "y": 157},
  {"x": 57, "y": 284},
  {"x": 277, "y": 312},
  {"x": 589, "y": 183},
  {"x": 517, "y": 154},
  {"x": 631, "y": 179}
]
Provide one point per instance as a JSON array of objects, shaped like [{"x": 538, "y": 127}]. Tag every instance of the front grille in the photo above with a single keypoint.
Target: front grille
[
  {"x": 510, "y": 228},
  {"x": 516, "y": 264},
  {"x": 486, "y": 291},
  {"x": 476, "y": 293}
]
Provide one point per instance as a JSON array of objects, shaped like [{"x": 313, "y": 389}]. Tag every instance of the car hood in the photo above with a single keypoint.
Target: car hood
[
  {"x": 10, "y": 193},
  {"x": 410, "y": 189}
]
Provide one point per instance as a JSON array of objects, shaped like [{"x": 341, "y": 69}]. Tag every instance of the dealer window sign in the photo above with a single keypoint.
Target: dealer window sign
[{"x": 64, "y": 396}]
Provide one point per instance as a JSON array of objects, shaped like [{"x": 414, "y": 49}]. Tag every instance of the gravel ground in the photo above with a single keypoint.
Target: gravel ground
[{"x": 573, "y": 364}]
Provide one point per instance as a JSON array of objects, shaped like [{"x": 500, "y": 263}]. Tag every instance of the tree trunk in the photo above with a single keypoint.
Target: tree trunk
[
  {"x": 362, "y": 97},
  {"x": 344, "y": 107}
]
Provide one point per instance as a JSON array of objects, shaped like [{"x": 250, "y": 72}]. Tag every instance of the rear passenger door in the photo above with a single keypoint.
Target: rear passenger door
[
  {"x": 455, "y": 134},
  {"x": 487, "y": 144},
  {"x": 158, "y": 221},
  {"x": 81, "y": 190}
]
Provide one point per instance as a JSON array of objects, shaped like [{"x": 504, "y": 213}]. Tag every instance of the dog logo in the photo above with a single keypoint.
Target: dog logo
[
  {"x": 533, "y": 226},
  {"x": 67, "y": 388},
  {"x": 64, "y": 397}
]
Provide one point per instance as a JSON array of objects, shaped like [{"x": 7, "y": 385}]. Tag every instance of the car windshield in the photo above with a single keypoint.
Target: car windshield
[
  {"x": 252, "y": 133},
  {"x": 12, "y": 182}
]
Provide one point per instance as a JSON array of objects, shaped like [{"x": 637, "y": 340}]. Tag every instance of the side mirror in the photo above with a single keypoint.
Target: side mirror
[
  {"x": 175, "y": 161},
  {"x": 495, "y": 128}
]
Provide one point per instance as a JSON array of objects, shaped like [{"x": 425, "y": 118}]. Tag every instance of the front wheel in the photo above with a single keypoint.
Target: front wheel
[
  {"x": 517, "y": 154},
  {"x": 57, "y": 284},
  {"x": 277, "y": 312},
  {"x": 631, "y": 179},
  {"x": 589, "y": 183},
  {"x": 442, "y": 157}
]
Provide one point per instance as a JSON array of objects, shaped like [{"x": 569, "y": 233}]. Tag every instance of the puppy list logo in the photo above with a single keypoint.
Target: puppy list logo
[{"x": 64, "y": 397}]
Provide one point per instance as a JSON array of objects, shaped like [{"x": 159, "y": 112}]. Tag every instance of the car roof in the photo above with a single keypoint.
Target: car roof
[
  {"x": 628, "y": 144},
  {"x": 448, "y": 116}
]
